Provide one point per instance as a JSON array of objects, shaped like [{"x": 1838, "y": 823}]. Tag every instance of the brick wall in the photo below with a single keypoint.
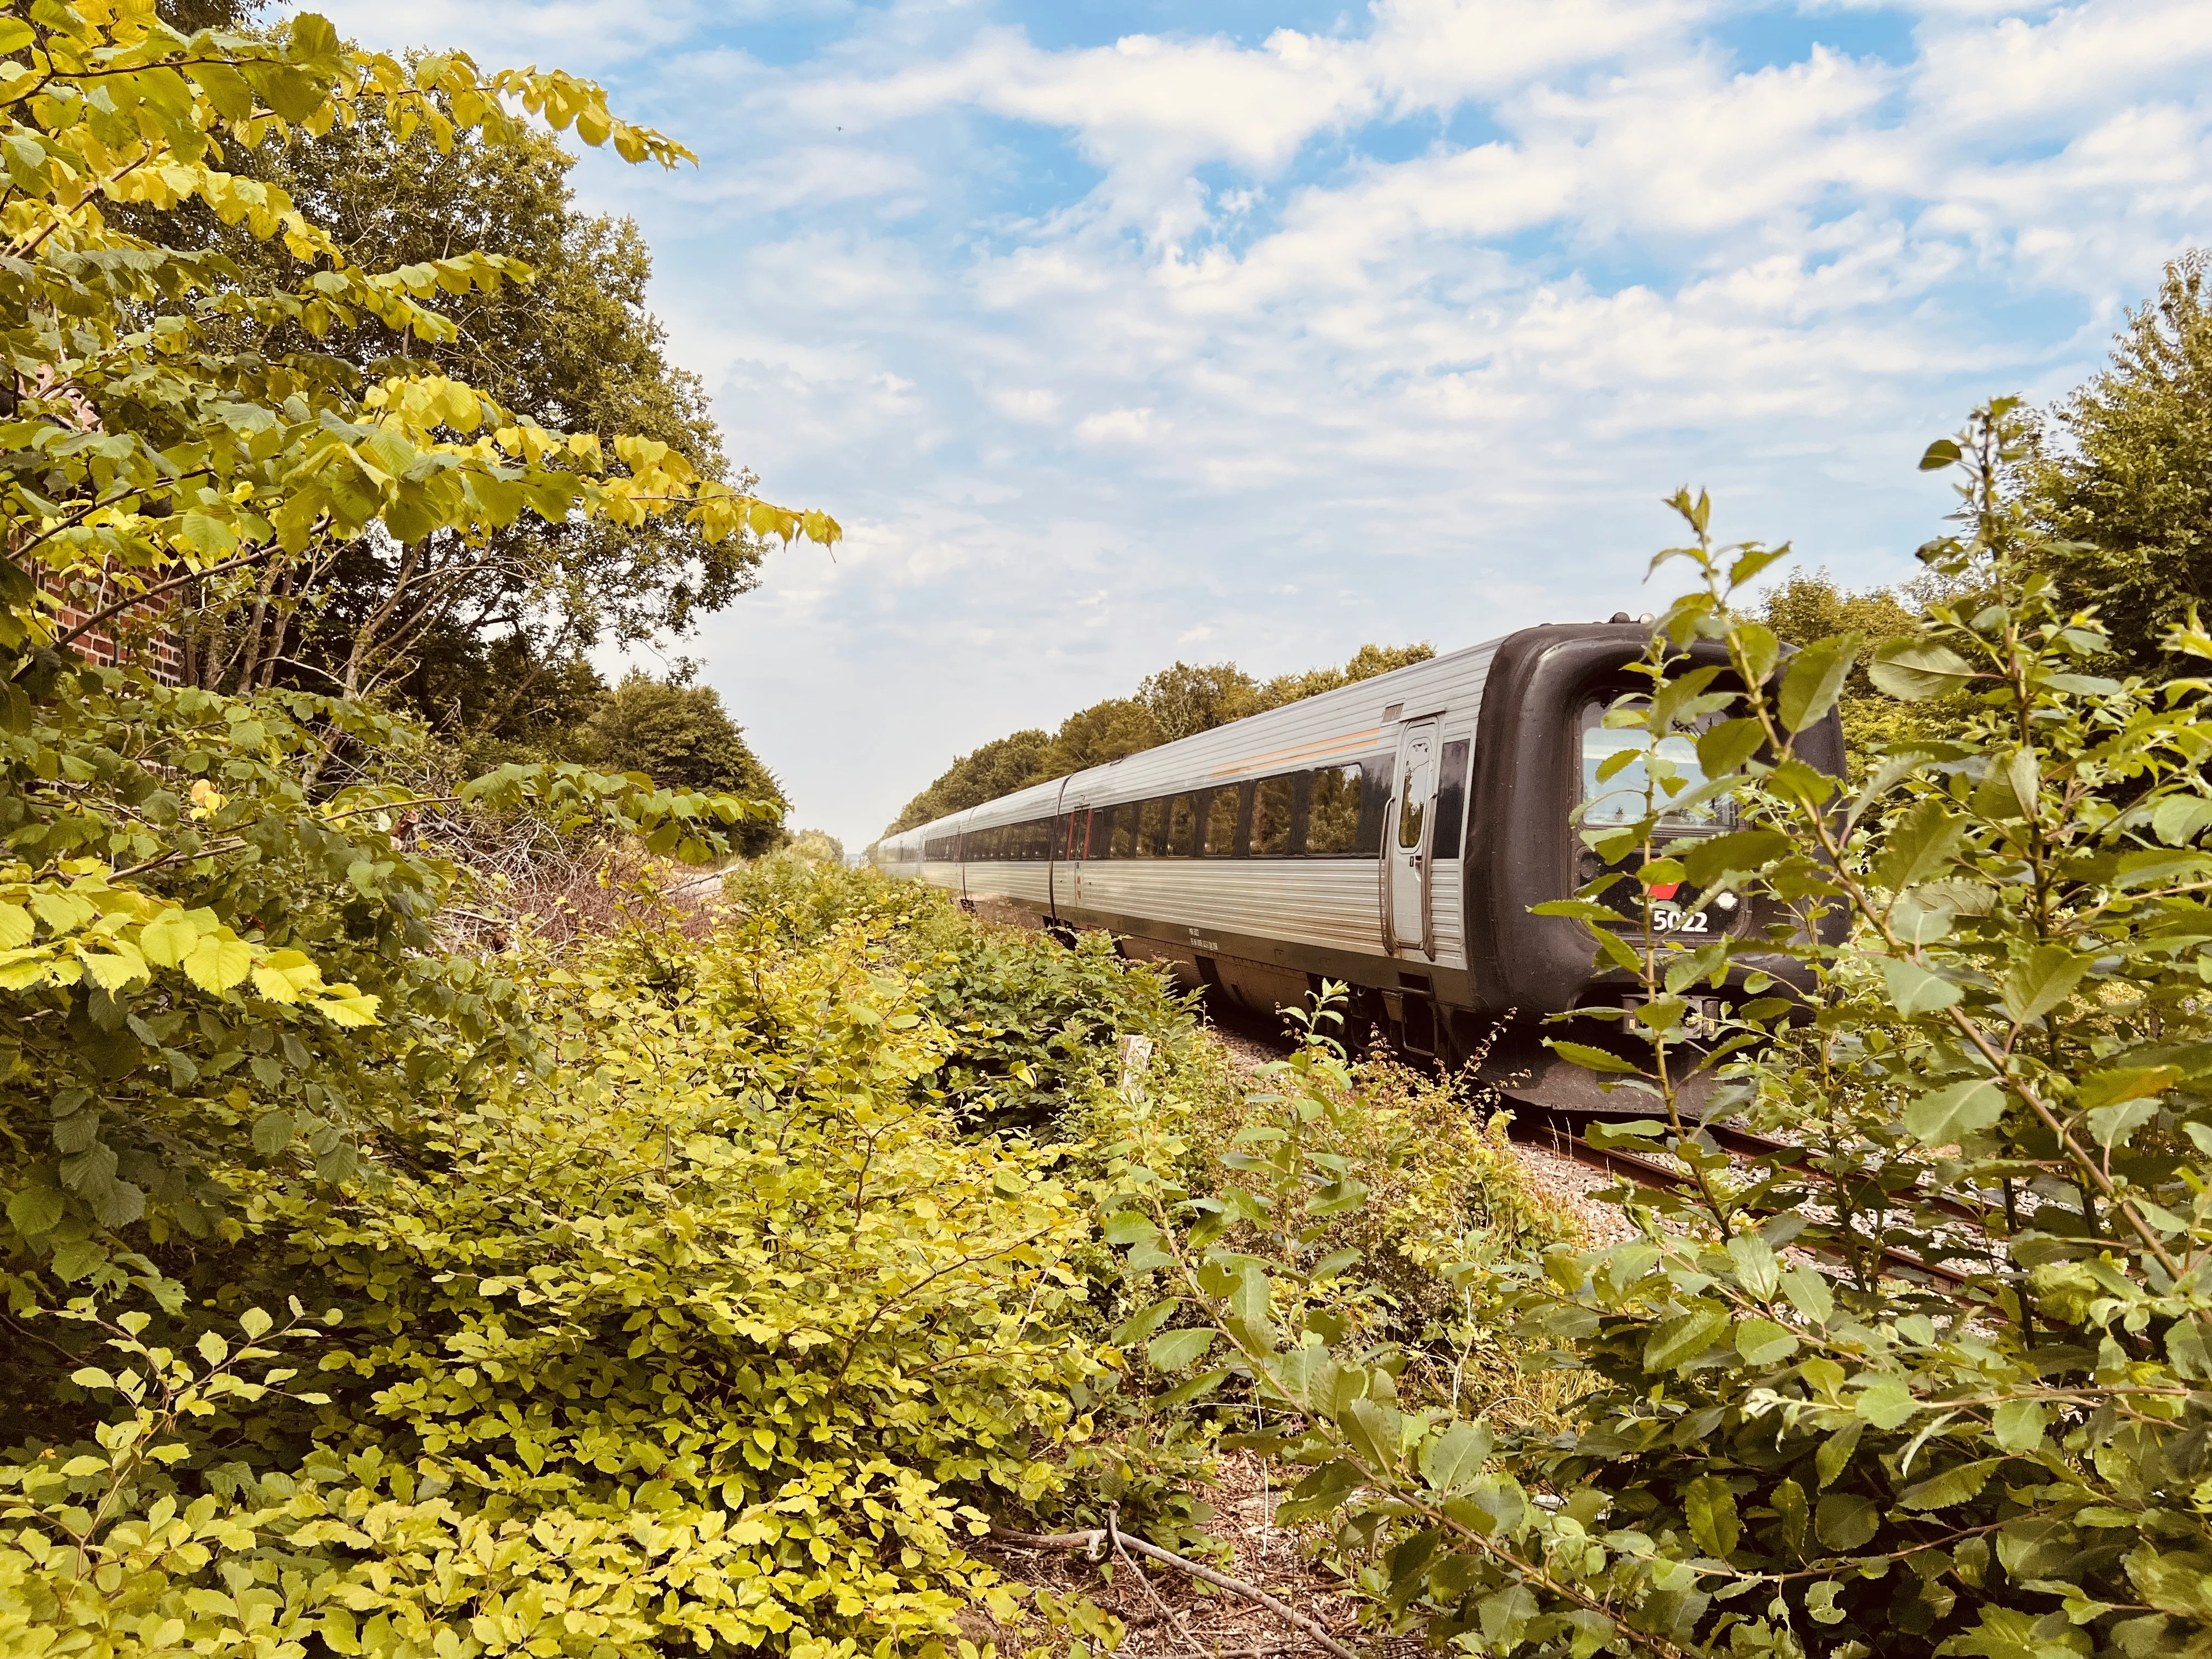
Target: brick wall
[{"x": 139, "y": 634}]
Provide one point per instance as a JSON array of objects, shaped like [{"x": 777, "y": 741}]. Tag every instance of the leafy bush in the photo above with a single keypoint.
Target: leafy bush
[{"x": 1936, "y": 1381}]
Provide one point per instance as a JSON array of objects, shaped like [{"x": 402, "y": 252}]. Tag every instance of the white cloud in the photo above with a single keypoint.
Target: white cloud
[{"x": 1168, "y": 344}]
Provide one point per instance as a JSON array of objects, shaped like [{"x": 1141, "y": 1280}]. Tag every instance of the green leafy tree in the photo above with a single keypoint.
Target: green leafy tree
[
  {"x": 573, "y": 347},
  {"x": 1807, "y": 607},
  {"x": 681, "y": 737},
  {"x": 2126, "y": 500},
  {"x": 1176, "y": 702},
  {"x": 194, "y": 888},
  {"x": 818, "y": 845}
]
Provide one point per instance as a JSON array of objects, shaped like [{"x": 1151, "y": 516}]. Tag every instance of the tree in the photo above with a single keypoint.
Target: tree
[
  {"x": 1175, "y": 703},
  {"x": 186, "y": 876},
  {"x": 1809, "y": 606},
  {"x": 2128, "y": 501},
  {"x": 574, "y": 347},
  {"x": 681, "y": 737},
  {"x": 819, "y": 845}
]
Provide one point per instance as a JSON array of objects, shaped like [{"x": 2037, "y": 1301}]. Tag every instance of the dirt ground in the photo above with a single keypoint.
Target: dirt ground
[{"x": 1180, "y": 1616}]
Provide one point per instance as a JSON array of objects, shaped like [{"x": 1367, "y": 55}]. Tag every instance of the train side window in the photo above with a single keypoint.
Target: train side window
[
  {"x": 1271, "y": 801},
  {"x": 1224, "y": 809},
  {"x": 1374, "y": 774},
  {"x": 1152, "y": 829},
  {"x": 1182, "y": 826},
  {"x": 1332, "y": 813},
  {"x": 1451, "y": 798},
  {"x": 1122, "y": 843},
  {"x": 1101, "y": 833}
]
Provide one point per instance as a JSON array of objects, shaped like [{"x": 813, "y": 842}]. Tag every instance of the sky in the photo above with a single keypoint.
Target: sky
[{"x": 1118, "y": 333}]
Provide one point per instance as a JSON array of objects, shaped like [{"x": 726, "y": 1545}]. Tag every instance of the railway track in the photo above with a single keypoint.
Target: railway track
[
  {"x": 1563, "y": 1133},
  {"x": 1567, "y": 1138}
]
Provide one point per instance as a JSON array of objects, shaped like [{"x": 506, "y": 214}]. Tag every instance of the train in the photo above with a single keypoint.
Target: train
[{"x": 1390, "y": 835}]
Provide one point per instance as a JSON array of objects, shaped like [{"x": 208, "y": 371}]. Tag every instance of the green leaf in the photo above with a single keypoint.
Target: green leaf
[
  {"x": 1835, "y": 1452},
  {"x": 1809, "y": 1294},
  {"x": 255, "y": 1323},
  {"x": 1945, "y": 1117},
  {"x": 1955, "y": 1484},
  {"x": 1790, "y": 1507},
  {"x": 1923, "y": 842},
  {"x": 1763, "y": 1342},
  {"x": 1140, "y": 1327},
  {"x": 1373, "y": 1427},
  {"x": 1914, "y": 990},
  {"x": 1943, "y": 453},
  {"x": 2018, "y": 1424},
  {"x": 2179, "y": 819},
  {"x": 2032, "y": 987},
  {"x": 1722, "y": 750},
  {"x": 1320, "y": 1492},
  {"x": 1128, "y": 1227},
  {"x": 2111, "y": 1126},
  {"x": 1755, "y": 1266},
  {"x": 272, "y": 1133},
  {"x": 36, "y": 1210},
  {"x": 1913, "y": 669},
  {"x": 1682, "y": 1339},
  {"x": 1179, "y": 1349},
  {"x": 1886, "y": 1402},
  {"x": 1741, "y": 851},
  {"x": 1816, "y": 678},
  {"x": 213, "y": 1348},
  {"x": 1451, "y": 1461},
  {"x": 1845, "y": 1521},
  {"x": 1820, "y": 1602},
  {"x": 1593, "y": 1060},
  {"x": 1710, "y": 1508}
]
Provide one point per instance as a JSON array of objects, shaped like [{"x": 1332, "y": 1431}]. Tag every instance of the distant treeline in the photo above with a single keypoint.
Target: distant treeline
[{"x": 1173, "y": 703}]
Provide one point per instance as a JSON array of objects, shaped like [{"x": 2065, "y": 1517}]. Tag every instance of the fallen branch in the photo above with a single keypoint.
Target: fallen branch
[
  {"x": 1121, "y": 1543},
  {"x": 1091, "y": 1543}
]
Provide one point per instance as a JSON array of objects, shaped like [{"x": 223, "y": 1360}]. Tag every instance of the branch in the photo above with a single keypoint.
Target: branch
[
  {"x": 160, "y": 588},
  {"x": 1090, "y": 1542}
]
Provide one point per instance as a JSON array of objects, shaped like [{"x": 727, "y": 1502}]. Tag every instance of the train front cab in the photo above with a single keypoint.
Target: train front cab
[{"x": 1541, "y": 744}]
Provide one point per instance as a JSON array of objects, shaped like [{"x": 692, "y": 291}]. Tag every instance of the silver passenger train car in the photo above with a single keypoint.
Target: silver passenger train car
[{"x": 1391, "y": 834}]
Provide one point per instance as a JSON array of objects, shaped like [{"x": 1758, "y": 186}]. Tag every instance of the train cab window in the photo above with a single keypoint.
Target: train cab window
[
  {"x": 1332, "y": 813},
  {"x": 1271, "y": 801},
  {"x": 1451, "y": 798},
  {"x": 1182, "y": 826},
  {"x": 1619, "y": 797},
  {"x": 1122, "y": 841},
  {"x": 1224, "y": 807}
]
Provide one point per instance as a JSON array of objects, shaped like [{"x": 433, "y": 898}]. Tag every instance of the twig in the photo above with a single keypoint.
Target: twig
[
  {"x": 1089, "y": 1541},
  {"x": 1121, "y": 1548}
]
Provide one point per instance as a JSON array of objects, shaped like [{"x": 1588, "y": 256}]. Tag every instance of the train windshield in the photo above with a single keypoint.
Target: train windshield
[{"x": 1618, "y": 798}]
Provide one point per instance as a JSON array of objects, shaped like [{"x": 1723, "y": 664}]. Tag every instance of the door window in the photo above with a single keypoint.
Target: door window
[{"x": 1413, "y": 804}]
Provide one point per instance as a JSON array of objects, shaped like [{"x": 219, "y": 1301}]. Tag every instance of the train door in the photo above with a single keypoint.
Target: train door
[{"x": 1408, "y": 832}]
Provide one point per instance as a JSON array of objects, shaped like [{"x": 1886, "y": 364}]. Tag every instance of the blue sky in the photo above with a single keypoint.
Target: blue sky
[{"x": 1116, "y": 333}]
